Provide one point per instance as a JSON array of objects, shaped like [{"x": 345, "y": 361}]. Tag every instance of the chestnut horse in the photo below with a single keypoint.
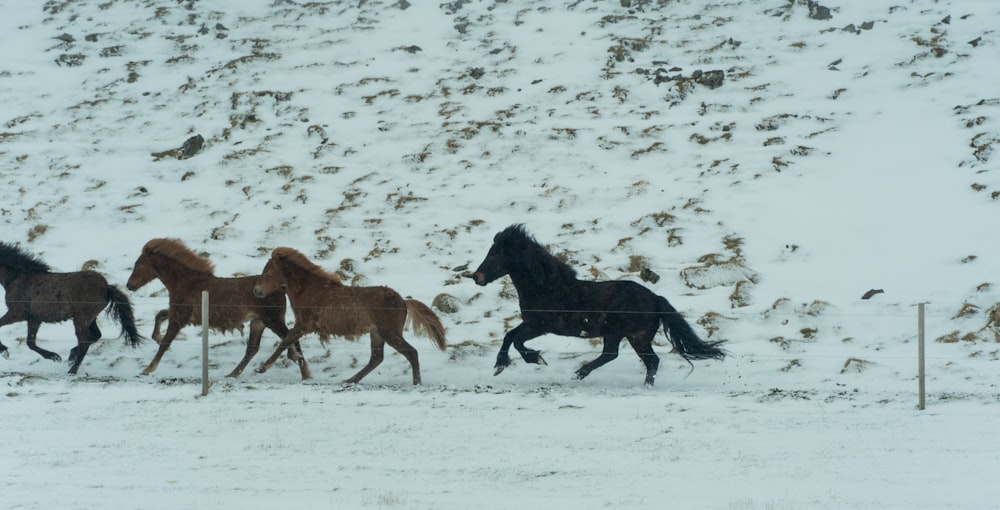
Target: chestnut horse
[
  {"x": 322, "y": 304},
  {"x": 36, "y": 294},
  {"x": 231, "y": 300}
]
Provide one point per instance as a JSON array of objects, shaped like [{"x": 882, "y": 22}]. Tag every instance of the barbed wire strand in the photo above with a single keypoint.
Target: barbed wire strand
[
  {"x": 745, "y": 356},
  {"x": 764, "y": 313}
]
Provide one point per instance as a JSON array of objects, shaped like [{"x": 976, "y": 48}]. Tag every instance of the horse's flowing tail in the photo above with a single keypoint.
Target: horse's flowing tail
[
  {"x": 120, "y": 309},
  {"x": 684, "y": 339},
  {"x": 425, "y": 322}
]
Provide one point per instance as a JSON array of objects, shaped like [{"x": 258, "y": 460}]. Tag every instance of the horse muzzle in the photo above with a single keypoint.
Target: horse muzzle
[
  {"x": 479, "y": 278},
  {"x": 257, "y": 293}
]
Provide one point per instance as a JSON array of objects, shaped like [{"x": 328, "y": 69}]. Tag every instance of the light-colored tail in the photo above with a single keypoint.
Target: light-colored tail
[{"x": 423, "y": 321}]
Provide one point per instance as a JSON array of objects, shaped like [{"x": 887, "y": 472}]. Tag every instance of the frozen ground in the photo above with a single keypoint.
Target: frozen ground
[{"x": 389, "y": 141}]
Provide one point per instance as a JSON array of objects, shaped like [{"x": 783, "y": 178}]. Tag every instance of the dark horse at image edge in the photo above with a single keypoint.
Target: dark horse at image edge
[
  {"x": 553, "y": 300},
  {"x": 36, "y": 294}
]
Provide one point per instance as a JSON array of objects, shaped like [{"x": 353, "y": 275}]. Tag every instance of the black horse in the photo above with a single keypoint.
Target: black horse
[
  {"x": 554, "y": 301},
  {"x": 35, "y": 294}
]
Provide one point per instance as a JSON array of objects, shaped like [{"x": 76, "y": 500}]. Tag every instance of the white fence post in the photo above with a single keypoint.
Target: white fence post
[
  {"x": 204, "y": 343},
  {"x": 920, "y": 356}
]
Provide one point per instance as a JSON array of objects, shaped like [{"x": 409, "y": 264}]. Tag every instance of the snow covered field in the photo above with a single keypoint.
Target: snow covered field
[{"x": 842, "y": 148}]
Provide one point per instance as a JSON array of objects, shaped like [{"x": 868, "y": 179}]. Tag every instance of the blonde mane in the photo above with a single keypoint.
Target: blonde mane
[
  {"x": 297, "y": 258},
  {"x": 174, "y": 249}
]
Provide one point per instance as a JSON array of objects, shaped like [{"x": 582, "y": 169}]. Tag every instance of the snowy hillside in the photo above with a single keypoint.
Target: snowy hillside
[{"x": 770, "y": 161}]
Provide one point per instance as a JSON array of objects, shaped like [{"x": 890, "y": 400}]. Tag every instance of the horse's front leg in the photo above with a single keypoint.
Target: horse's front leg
[
  {"x": 8, "y": 318},
  {"x": 295, "y": 354},
  {"x": 160, "y": 317},
  {"x": 290, "y": 338},
  {"x": 516, "y": 337},
  {"x": 173, "y": 328},
  {"x": 5, "y": 320},
  {"x": 32, "y": 333}
]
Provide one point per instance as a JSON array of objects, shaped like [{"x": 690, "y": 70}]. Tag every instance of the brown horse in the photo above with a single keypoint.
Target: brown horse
[
  {"x": 35, "y": 294},
  {"x": 231, "y": 301},
  {"x": 323, "y": 304}
]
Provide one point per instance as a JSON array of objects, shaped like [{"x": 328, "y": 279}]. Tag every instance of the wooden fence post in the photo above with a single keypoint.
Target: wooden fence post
[
  {"x": 204, "y": 343},
  {"x": 920, "y": 356}
]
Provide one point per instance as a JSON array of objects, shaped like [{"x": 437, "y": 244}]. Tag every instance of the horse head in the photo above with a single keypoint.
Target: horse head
[
  {"x": 270, "y": 280},
  {"x": 143, "y": 272},
  {"x": 167, "y": 257},
  {"x": 516, "y": 253},
  {"x": 494, "y": 265}
]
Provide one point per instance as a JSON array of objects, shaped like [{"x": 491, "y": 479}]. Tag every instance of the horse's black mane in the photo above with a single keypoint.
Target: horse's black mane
[
  {"x": 21, "y": 261},
  {"x": 520, "y": 244}
]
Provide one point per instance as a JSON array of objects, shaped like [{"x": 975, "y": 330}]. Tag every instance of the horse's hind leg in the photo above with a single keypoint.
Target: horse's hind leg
[
  {"x": 253, "y": 345},
  {"x": 378, "y": 353},
  {"x": 85, "y": 337},
  {"x": 642, "y": 343},
  {"x": 408, "y": 351},
  {"x": 75, "y": 352},
  {"x": 611, "y": 344},
  {"x": 33, "y": 326}
]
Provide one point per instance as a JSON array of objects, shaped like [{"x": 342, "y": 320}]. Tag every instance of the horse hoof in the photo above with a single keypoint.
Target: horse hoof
[
  {"x": 57, "y": 358},
  {"x": 534, "y": 357},
  {"x": 497, "y": 369},
  {"x": 5, "y": 354}
]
